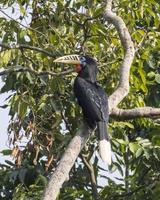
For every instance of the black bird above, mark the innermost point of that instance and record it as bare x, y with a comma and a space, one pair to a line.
92, 99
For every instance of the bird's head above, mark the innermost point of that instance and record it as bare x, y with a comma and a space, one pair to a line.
85, 66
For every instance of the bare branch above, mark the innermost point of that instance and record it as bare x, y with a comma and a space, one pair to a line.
25, 69
25, 46
61, 173
147, 112
123, 87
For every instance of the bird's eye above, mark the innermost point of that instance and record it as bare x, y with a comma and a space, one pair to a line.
83, 60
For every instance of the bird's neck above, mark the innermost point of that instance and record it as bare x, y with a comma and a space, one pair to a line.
89, 76
88, 79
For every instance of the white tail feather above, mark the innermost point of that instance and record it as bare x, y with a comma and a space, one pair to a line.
105, 151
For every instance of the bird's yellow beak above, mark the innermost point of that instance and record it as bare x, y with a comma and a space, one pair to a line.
69, 59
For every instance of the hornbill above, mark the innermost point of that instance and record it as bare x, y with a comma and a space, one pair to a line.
92, 99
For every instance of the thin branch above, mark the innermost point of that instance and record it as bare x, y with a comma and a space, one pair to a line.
90, 168
143, 175
25, 69
147, 112
25, 46
141, 42
128, 194
61, 173
126, 158
123, 87
29, 59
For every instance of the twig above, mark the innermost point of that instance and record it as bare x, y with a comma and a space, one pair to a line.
126, 158
141, 42
90, 168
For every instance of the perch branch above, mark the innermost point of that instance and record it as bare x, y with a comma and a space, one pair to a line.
147, 112
61, 173
123, 87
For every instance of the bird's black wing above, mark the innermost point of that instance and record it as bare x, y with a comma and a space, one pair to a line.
92, 99
94, 103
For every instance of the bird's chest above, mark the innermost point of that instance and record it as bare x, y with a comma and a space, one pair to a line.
92, 98
84, 88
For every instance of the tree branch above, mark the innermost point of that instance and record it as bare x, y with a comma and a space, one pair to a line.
123, 87
147, 112
25, 46
25, 69
61, 173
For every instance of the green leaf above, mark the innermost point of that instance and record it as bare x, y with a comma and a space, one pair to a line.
4, 106
22, 108
10, 163
22, 10
41, 180
119, 167
6, 152
133, 147
156, 153
122, 141
124, 124
150, 11
147, 154
5, 56
139, 152
151, 75
22, 174
157, 78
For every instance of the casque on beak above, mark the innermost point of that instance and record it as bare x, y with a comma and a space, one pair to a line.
69, 59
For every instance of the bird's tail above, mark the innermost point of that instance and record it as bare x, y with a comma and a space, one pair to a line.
104, 143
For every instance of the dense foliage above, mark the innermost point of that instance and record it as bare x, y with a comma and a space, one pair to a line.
43, 111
